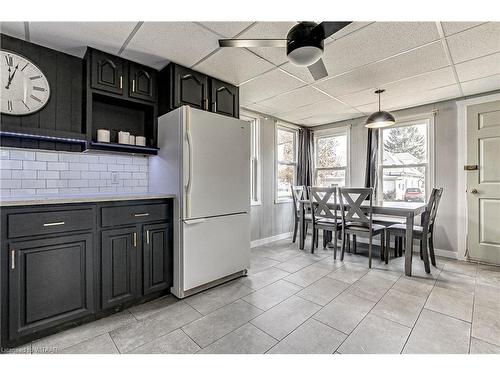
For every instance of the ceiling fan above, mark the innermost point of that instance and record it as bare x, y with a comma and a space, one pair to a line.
304, 44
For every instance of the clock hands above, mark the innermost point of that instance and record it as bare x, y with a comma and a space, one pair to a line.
11, 77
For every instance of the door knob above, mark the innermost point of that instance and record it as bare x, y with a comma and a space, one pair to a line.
474, 191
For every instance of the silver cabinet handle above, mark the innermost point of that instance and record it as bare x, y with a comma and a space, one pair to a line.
147, 236
135, 239
143, 214
121, 82
13, 260
54, 224
133, 85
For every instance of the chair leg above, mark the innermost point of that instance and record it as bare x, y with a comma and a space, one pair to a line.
317, 238
334, 234
370, 251
343, 246
425, 256
354, 244
400, 245
387, 246
325, 238
431, 251
348, 243
295, 230
313, 239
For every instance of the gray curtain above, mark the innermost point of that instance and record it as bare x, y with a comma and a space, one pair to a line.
304, 167
371, 159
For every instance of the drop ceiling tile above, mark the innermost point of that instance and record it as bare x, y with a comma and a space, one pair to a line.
479, 41
376, 41
321, 112
74, 37
227, 29
346, 31
268, 85
478, 68
269, 30
233, 65
298, 71
481, 85
327, 118
418, 61
404, 88
451, 28
15, 29
258, 108
182, 42
294, 99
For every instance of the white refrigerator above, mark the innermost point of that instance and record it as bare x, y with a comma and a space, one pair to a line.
204, 160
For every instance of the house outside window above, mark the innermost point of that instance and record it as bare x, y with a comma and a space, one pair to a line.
286, 140
331, 157
405, 161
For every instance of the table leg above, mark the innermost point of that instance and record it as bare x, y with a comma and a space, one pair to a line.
409, 245
302, 228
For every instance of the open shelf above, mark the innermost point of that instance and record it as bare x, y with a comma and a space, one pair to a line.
124, 148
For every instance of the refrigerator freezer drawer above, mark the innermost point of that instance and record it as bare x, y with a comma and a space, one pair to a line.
214, 248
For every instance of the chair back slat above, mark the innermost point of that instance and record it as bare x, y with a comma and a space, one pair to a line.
431, 209
319, 198
351, 200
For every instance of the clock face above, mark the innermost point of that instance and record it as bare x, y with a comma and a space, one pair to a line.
25, 88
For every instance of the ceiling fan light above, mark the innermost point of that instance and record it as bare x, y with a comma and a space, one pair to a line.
305, 56
380, 119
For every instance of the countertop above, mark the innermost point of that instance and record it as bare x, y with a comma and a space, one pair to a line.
41, 200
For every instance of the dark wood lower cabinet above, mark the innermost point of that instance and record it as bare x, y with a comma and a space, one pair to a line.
51, 279
50, 282
157, 257
119, 266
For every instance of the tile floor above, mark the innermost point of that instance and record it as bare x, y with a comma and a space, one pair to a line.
296, 302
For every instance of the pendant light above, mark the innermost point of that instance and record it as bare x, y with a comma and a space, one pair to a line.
379, 119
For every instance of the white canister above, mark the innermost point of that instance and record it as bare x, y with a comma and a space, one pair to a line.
123, 137
140, 140
103, 135
131, 139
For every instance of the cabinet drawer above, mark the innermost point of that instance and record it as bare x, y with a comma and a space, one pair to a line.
47, 222
122, 215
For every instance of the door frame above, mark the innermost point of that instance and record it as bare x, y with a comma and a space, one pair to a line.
462, 218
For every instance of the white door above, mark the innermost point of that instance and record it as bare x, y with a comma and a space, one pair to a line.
217, 165
214, 248
483, 184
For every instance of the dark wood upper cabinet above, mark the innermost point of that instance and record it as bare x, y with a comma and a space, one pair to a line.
50, 282
107, 72
142, 82
224, 98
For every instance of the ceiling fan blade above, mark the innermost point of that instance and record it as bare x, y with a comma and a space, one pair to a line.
318, 70
330, 28
249, 43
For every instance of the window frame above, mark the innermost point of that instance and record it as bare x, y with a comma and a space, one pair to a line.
295, 131
255, 158
332, 132
429, 165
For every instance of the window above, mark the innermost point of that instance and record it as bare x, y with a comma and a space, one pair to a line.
404, 163
286, 162
331, 158
254, 159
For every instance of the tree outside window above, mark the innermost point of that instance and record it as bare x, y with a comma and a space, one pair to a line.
330, 160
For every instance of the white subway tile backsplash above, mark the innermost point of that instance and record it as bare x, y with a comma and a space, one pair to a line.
32, 172
36, 165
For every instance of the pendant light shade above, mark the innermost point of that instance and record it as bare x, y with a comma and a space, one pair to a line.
379, 119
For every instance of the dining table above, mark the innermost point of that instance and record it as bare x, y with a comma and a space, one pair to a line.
406, 210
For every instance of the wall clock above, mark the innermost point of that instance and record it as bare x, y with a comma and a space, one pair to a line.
25, 89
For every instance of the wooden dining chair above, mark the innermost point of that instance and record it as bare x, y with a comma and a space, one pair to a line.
298, 194
357, 218
423, 232
323, 217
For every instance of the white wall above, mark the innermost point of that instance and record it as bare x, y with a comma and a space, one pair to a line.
269, 218
31, 172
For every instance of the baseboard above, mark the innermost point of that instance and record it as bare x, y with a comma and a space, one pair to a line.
263, 241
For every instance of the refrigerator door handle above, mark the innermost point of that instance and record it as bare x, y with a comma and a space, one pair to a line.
194, 221
190, 169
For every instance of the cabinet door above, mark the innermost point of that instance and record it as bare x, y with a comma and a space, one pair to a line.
157, 257
107, 72
224, 98
142, 82
119, 259
50, 282
190, 88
